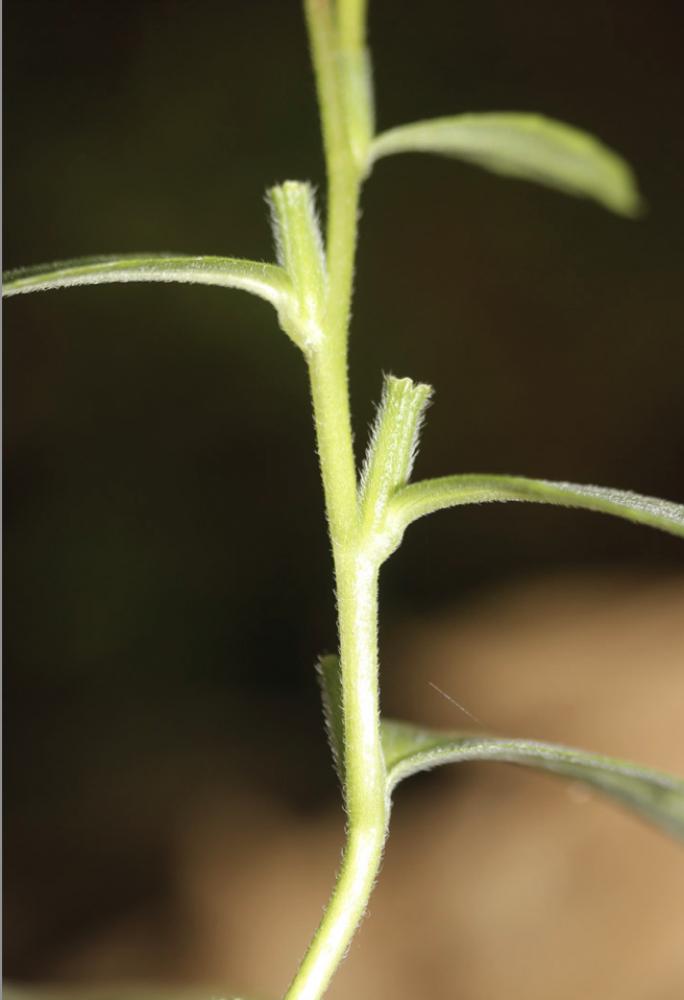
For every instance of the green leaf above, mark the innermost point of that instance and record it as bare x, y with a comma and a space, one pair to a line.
330, 678
418, 499
268, 281
265, 280
391, 452
523, 145
301, 254
656, 796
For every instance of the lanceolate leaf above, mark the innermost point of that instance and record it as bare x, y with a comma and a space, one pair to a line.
421, 498
656, 796
328, 668
523, 145
393, 445
265, 280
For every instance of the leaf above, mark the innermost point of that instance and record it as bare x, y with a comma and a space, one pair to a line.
265, 280
656, 796
328, 668
418, 499
301, 254
523, 145
391, 451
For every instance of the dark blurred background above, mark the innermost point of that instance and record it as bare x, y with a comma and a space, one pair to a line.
166, 564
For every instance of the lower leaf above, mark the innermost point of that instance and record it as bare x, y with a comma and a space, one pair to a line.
654, 795
328, 668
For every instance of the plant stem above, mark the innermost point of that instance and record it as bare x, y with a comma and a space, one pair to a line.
365, 783
352, 23
328, 368
355, 565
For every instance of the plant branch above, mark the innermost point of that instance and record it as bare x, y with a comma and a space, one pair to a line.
355, 563
366, 798
328, 368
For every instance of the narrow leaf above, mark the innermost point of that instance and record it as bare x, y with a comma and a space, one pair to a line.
328, 668
391, 452
265, 280
300, 252
421, 498
656, 796
523, 145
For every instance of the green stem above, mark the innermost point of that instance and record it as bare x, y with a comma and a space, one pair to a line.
351, 19
365, 782
328, 368
355, 564
330, 398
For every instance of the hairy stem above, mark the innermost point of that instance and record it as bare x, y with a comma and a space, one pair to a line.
328, 369
355, 565
365, 782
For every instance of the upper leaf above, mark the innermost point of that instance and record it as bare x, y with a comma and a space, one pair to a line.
523, 145
418, 499
658, 797
265, 280
268, 281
